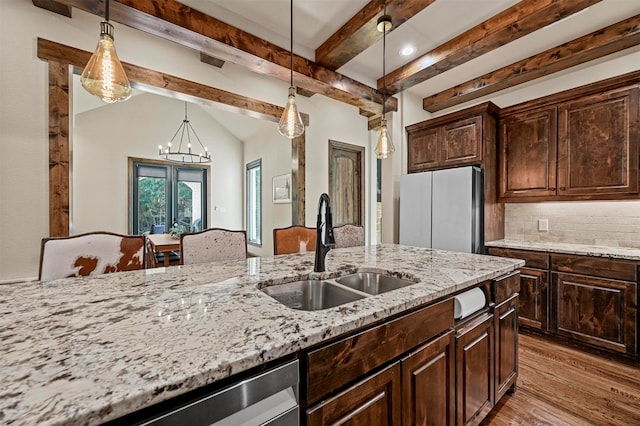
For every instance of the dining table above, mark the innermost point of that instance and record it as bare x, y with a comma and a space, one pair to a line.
165, 244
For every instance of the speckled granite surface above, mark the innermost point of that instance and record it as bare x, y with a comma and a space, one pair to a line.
87, 350
581, 249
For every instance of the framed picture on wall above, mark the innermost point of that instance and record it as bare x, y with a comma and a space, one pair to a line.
282, 188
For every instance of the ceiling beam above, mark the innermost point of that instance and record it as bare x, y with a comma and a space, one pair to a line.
207, 59
360, 33
611, 39
517, 21
54, 6
164, 83
188, 27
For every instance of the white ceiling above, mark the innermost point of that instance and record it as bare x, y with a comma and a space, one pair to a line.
316, 20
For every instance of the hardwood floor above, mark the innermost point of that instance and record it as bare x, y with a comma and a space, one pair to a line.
562, 386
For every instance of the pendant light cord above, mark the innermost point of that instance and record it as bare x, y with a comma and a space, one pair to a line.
291, 39
106, 11
384, 71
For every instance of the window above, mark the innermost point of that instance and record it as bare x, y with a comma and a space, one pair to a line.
164, 196
254, 202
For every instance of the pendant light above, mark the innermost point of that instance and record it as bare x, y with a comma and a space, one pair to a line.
384, 147
291, 124
182, 153
104, 76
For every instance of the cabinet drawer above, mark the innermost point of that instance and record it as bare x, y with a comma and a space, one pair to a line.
333, 366
533, 259
506, 286
603, 267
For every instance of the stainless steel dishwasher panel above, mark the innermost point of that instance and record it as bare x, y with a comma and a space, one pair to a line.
268, 398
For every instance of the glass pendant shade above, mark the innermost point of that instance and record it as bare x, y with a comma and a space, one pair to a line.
384, 147
291, 124
104, 75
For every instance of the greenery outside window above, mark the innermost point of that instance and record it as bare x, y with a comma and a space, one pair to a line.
165, 196
254, 202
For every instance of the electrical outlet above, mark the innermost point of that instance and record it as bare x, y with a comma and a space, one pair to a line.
543, 225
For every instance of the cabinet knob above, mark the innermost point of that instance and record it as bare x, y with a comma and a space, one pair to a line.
562, 188
552, 189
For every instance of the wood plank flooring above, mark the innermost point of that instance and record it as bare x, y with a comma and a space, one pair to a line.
558, 385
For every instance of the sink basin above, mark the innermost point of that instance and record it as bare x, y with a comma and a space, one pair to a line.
311, 295
373, 282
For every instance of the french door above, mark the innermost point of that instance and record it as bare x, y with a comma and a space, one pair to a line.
165, 196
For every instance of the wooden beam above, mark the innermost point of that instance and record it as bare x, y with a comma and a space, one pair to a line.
614, 38
51, 51
304, 92
374, 122
59, 172
207, 59
517, 21
53, 6
188, 27
360, 33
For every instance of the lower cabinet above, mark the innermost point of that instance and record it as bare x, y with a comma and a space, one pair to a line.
373, 401
598, 311
475, 370
506, 329
428, 383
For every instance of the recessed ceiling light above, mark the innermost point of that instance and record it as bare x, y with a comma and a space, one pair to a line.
407, 50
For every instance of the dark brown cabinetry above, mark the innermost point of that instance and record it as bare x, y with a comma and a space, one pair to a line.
506, 329
598, 144
534, 286
527, 147
578, 145
587, 300
373, 401
475, 370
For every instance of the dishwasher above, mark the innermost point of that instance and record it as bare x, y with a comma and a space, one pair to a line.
269, 398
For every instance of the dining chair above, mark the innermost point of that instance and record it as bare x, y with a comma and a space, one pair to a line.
93, 253
212, 245
294, 239
348, 235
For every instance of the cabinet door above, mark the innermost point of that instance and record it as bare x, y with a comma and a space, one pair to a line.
534, 298
373, 401
422, 149
462, 142
598, 144
506, 328
598, 311
527, 154
475, 371
428, 384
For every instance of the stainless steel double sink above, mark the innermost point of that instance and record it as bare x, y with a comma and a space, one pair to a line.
313, 295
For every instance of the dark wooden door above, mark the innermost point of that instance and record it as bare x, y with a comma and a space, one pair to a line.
599, 311
534, 298
462, 142
428, 375
506, 328
475, 371
422, 147
598, 144
371, 402
346, 175
527, 154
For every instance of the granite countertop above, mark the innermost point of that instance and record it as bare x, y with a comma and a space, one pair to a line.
626, 253
87, 350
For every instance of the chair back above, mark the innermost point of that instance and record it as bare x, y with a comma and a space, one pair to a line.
348, 235
92, 253
294, 239
212, 245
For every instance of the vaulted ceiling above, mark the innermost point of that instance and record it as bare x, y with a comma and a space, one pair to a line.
464, 48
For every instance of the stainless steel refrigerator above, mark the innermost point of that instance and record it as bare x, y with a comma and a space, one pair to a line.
443, 209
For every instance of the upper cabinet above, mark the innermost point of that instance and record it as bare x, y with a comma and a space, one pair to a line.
584, 146
458, 139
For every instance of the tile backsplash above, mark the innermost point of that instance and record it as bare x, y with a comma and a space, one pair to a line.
604, 223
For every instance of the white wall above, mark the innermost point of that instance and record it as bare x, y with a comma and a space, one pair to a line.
103, 140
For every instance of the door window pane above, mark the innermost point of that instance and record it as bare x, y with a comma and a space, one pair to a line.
254, 202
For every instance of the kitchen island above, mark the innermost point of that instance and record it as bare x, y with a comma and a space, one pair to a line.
88, 350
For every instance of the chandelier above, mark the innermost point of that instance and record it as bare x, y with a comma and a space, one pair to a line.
182, 152
384, 147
